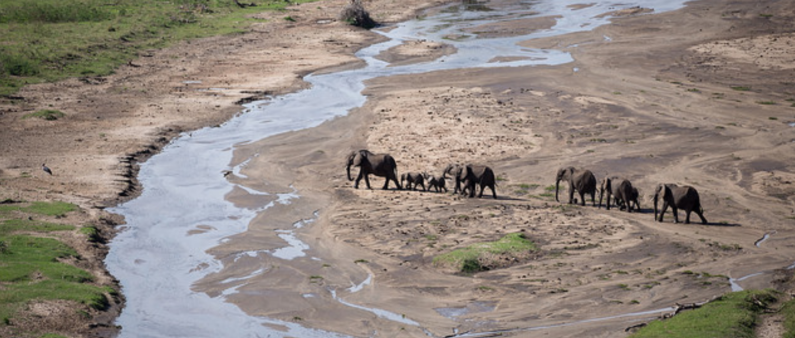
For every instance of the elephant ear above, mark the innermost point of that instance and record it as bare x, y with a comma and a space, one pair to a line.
463, 172
357, 160
667, 193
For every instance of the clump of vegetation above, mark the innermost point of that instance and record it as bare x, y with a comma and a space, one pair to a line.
789, 319
355, 14
33, 268
488, 255
732, 316
46, 114
41, 208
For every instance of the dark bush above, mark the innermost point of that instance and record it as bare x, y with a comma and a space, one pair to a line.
355, 14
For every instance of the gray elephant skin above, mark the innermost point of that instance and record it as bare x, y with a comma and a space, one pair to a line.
621, 189
580, 180
414, 180
633, 199
436, 183
678, 197
470, 176
382, 165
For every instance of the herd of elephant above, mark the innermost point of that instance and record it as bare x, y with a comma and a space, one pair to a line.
469, 177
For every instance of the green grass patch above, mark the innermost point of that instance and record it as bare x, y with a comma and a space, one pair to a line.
769, 103
788, 310
477, 257
49, 40
734, 315
741, 88
30, 270
17, 225
42, 208
92, 233
46, 114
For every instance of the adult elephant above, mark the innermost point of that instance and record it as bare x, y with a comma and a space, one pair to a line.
454, 170
583, 181
377, 164
471, 176
621, 189
678, 197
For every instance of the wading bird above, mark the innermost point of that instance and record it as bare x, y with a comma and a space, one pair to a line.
46, 169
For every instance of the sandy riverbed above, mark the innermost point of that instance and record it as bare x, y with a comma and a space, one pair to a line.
699, 96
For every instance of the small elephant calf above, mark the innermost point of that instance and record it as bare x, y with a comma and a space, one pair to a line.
436, 183
414, 180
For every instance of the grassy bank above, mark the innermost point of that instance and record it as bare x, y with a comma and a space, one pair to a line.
48, 40
734, 315
488, 255
35, 268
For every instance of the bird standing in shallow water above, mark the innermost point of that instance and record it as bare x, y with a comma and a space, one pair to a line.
46, 169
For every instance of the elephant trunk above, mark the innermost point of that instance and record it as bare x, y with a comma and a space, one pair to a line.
348, 170
601, 193
557, 186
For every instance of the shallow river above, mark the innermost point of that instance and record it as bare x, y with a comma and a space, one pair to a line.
156, 258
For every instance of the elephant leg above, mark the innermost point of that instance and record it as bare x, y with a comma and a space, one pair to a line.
700, 215
482, 189
582, 198
608, 201
386, 183
358, 178
687, 216
675, 211
662, 211
593, 198
571, 195
493, 192
367, 180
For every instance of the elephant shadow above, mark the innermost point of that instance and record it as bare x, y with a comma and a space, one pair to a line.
722, 224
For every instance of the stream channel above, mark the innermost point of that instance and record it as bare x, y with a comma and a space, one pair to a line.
155, 257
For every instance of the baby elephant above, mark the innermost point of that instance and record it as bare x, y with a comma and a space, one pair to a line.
435, 182
414, 180
678, 197
633, 199
621, 189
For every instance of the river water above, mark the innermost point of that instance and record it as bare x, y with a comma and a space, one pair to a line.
156, 255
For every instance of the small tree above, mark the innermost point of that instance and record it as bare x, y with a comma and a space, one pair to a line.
355, 14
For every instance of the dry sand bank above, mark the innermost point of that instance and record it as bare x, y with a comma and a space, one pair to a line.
647, 104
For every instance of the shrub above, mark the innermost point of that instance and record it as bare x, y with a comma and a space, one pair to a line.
47, 114
355, 14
